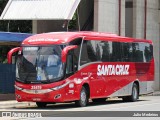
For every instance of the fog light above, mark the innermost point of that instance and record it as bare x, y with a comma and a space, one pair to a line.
57, 96
18, 96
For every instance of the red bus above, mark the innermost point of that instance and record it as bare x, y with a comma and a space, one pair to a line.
78, 66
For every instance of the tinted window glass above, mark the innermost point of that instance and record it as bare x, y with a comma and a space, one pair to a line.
76, 52
88, 53
92, 47
116, 52
138, 52
127, 52
148, 52
69, 67
105, 50
98, 50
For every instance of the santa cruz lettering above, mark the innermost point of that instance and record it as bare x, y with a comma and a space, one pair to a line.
112, 70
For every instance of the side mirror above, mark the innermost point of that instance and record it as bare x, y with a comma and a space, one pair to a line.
65, 52
10, 53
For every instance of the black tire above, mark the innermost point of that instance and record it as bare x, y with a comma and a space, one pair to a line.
84, 98
99, 100
41, 104
134, 96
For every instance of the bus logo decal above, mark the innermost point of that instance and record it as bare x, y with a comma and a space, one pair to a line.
112, 70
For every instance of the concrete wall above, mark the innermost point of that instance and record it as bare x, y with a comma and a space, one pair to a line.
41, 26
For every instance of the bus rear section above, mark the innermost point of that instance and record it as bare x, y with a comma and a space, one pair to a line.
77, 66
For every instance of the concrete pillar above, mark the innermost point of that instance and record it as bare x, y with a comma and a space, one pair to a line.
34, 26
123, 20
106, 16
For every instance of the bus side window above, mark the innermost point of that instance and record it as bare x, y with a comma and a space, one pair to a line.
148, 52
84, 55
127, 52
88, 52
69, 65
105, 51
139, 52
116, 52
76, 53
92, 50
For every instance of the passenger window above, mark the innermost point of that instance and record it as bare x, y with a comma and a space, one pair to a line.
138, 52
105, 51
127, 52
88, 53
148, 50
76, 52
84, 55
91, 51
116, 52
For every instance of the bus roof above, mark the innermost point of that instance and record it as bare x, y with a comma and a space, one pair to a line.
66, 37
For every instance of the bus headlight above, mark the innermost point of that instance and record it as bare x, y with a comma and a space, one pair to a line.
61, 86
18, 88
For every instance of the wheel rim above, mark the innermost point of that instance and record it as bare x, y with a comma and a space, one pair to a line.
135, 93
83, 97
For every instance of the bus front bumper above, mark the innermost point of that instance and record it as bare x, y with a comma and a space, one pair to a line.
40, 95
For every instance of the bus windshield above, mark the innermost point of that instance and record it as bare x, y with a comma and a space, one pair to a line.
40, 64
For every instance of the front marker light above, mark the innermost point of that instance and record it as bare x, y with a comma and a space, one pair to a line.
61, 86
18, 88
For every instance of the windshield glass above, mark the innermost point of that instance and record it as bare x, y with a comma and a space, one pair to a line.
40, 64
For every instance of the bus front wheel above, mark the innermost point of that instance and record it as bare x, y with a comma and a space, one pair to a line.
83, 101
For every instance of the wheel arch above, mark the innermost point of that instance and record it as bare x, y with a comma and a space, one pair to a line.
87, 87
138, 85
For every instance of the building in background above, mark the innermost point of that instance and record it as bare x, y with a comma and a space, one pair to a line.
131, 18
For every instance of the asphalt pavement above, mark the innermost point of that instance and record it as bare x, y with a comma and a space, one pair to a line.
147, 104
8, 101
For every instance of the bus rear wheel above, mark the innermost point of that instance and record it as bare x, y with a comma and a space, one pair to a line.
83, 101
134, 96
41, 104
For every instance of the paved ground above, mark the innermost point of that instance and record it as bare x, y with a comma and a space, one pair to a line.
146, 103
8, 102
